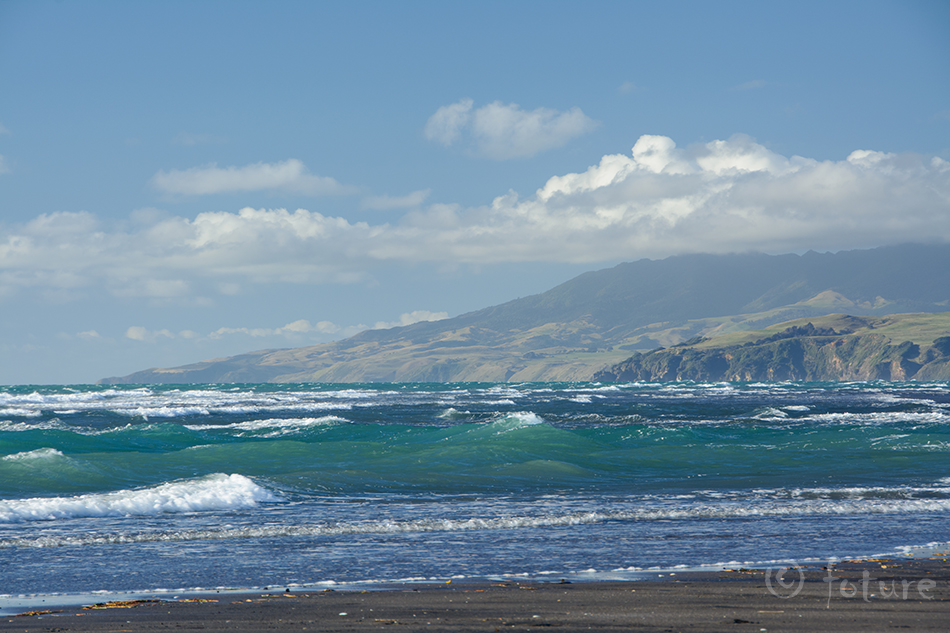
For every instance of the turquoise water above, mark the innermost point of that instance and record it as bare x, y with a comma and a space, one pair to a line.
137, 488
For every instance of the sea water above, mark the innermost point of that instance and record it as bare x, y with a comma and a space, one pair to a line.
141, 488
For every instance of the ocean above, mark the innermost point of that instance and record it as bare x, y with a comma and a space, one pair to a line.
188, 487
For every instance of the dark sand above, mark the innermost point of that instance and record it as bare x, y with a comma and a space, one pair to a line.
915, 596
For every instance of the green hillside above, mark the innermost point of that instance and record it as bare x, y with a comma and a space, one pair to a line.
835, 347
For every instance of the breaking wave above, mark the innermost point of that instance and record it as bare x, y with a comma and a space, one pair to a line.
214, 492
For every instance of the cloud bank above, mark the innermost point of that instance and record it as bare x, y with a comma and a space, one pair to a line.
502, 132
289, 175
723, 196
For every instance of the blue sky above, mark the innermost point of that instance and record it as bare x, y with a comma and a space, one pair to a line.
188, 180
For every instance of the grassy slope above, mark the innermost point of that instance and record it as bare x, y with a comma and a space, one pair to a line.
834, 347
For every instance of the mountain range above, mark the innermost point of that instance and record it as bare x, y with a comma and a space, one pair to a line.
601, 318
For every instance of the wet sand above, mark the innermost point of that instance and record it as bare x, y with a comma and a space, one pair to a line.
868, 595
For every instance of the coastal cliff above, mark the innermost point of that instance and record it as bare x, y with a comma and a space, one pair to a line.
835, 347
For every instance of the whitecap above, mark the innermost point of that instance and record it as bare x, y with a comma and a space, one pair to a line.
214, 492
271, 426
441, 524
40, 453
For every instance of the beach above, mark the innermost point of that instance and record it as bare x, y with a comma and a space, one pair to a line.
865, 595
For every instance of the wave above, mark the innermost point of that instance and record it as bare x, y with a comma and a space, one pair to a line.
40, 453
174, 403
514, 421
866, 506
214, 492
271, 427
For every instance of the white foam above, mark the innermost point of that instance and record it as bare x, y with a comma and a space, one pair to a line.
727, 510
21, 412
272, 426
214, 492
146, 403
40, 453
8, 426
516, 420
880, 418
454, 414
770, 413
164, 412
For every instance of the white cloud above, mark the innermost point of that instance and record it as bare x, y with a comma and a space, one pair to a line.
301, 326
384, 203
408, 318
446, 125
722, 196
289, 175
139, 333
89, 335
504, 131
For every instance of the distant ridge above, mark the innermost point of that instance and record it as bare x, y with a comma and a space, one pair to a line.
600, 318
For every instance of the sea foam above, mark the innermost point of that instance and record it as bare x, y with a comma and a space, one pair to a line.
271, 427
214, 492
470, 524
40, 453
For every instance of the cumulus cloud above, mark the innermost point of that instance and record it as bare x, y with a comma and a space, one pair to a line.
385, 203
504, 131
408, 318
289, 175
446, 125
657, 200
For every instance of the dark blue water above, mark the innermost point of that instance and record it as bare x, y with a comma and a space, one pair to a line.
120, 489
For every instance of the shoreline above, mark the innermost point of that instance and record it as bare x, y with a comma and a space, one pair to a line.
12, 604
850, 595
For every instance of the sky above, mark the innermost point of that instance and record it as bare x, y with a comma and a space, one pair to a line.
190, 180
